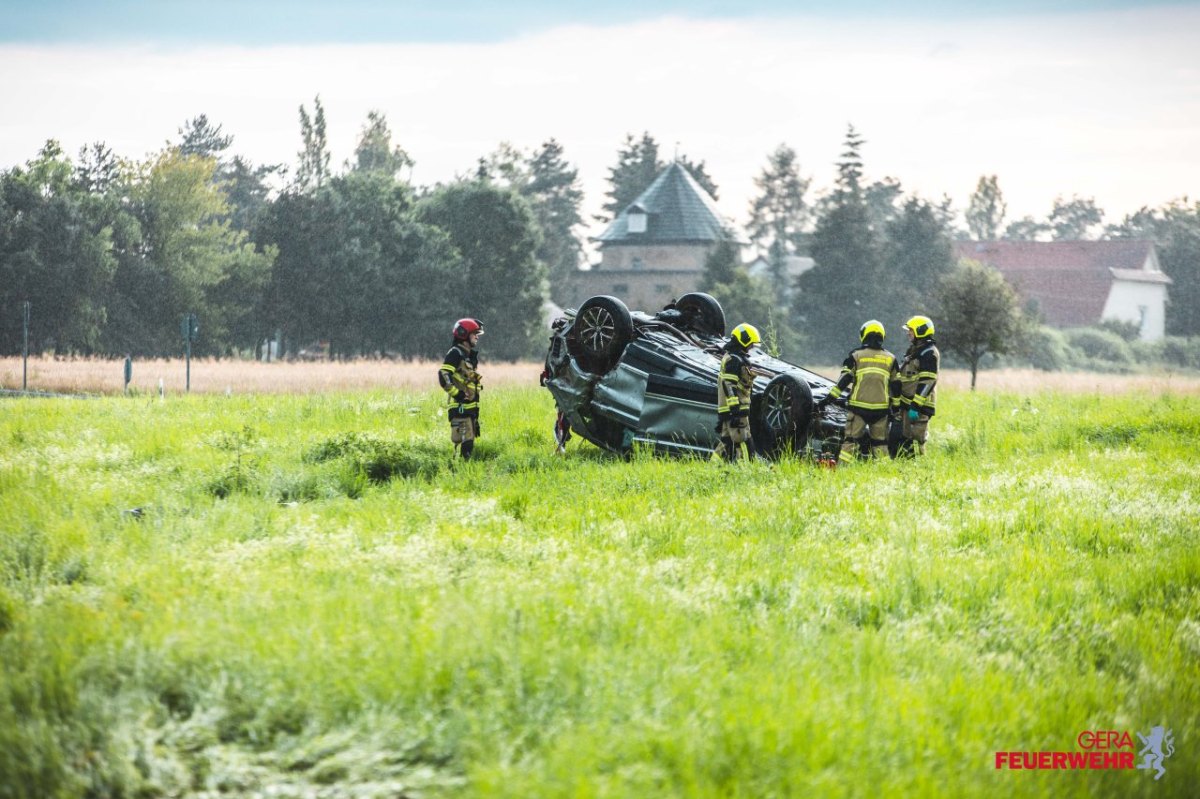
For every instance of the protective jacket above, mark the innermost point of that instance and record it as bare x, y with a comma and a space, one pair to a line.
867, 374
460, 379
918, 377
733, 386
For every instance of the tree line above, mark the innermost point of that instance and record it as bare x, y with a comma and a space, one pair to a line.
880, 252
111, 253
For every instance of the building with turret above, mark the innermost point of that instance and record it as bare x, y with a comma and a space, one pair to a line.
655, 250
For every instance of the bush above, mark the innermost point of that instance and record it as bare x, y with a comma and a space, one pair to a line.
1128, 331
1050, 351
1101, 345
381, 460
1177, 351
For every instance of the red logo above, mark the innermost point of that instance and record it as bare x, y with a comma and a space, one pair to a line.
1098, 750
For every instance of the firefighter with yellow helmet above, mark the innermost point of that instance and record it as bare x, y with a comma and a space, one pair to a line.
459, 377
734, 384
918, 385
868, 375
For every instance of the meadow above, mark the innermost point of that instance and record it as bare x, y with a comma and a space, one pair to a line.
303, 595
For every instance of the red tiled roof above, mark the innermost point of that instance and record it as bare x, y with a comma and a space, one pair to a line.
1069, 280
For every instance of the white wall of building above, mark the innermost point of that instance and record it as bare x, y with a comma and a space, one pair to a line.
1144, 303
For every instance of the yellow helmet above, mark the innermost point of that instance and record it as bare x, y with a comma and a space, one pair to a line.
746, 335
921, 326
870, 326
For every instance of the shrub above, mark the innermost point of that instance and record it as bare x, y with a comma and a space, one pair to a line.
1050, 351
380, 459
1101, 345
1177, 351
1128, 331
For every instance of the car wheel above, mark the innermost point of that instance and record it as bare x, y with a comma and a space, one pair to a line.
602, 328
705, 313
783, 416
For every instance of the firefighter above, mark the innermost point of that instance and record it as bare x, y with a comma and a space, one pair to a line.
460, 379
918, 385
733, 393
868, 374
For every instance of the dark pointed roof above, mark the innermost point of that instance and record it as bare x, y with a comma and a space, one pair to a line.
678, 210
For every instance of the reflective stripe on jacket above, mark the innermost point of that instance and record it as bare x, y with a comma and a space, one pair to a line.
460, 379
867, 373
733, 385
918, 376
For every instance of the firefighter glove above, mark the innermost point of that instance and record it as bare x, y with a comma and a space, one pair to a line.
913, 415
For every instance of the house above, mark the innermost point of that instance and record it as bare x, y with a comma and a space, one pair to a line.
1082, 283
655, 250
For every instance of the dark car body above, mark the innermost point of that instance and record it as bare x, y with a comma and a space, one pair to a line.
622, 379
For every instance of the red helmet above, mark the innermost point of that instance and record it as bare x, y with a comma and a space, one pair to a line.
463, 328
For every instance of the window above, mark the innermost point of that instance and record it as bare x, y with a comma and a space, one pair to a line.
1143, 312
637, 222
637, 263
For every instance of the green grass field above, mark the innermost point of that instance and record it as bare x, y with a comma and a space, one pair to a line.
314, 601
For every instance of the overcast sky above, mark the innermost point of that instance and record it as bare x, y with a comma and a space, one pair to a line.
1099, 99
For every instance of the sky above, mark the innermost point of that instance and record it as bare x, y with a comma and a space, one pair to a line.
1071, 98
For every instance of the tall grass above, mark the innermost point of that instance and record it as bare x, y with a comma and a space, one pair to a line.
213, 376
300, 596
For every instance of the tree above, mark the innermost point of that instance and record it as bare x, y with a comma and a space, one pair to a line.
190, 255
551, 187
499, 279
743, 297
246, 191
1072, 220
917, 253
56, 253
355, 268
374, 152
846, 285
883, 198
553, 192
1026, 229
978, 313
986, 210
779, 214
700, 175
245, 185
506, 166
313, 169
98, 169
637, 166
723, 265
201, 138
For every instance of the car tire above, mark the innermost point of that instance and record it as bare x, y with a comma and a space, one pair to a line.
782, 416
705, 313
602, 328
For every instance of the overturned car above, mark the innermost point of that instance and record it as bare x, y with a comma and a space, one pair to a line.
622, 378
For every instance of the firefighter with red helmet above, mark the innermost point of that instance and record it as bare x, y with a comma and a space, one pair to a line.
460, 379
868, 375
